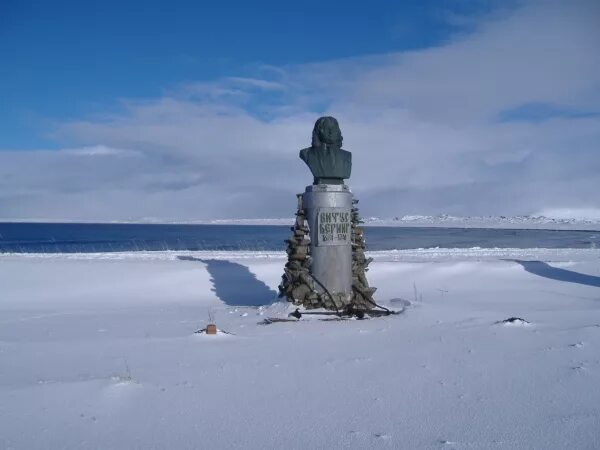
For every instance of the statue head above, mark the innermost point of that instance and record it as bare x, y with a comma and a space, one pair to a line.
327, 133
326, 160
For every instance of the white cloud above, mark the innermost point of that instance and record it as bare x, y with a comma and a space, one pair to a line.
98, 150
424, 127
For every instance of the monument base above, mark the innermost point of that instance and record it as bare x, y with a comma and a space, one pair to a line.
327, 259
328, 209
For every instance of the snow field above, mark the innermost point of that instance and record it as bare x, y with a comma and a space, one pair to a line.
100, 352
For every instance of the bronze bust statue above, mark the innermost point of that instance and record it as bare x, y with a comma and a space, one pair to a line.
325, 158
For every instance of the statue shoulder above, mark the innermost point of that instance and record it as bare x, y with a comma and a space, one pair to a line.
304, 153
347, 155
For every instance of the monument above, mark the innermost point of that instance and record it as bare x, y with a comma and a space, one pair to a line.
326, 265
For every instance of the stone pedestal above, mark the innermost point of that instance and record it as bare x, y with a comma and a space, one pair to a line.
328, 210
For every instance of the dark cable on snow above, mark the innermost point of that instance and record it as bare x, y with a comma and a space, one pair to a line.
369, 299
364, 294
337, 311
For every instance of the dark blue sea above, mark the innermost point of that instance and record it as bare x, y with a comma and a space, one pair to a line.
76, 238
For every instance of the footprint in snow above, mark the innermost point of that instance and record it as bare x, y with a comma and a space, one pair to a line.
385, 437
400, 302
357, 433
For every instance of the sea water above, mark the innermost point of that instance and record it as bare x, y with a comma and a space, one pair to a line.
85, 238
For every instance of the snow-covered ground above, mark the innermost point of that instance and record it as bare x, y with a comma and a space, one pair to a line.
447, 221
98, 351
504, 222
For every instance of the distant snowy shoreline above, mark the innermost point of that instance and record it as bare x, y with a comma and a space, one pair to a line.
501, 222
441, 221
405, 255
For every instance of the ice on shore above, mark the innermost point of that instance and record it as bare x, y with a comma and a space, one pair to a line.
547, 220
99, 351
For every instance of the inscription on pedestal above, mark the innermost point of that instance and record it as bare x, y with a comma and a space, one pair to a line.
334, 226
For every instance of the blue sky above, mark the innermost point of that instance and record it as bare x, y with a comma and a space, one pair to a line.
65, 59
194, 110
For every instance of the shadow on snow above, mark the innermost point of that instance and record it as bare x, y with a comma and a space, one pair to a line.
545, 270
234, 284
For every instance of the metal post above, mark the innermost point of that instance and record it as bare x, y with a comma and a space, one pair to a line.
329, 214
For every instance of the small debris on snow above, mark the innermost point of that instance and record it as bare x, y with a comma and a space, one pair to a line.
208, 331
514, 321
